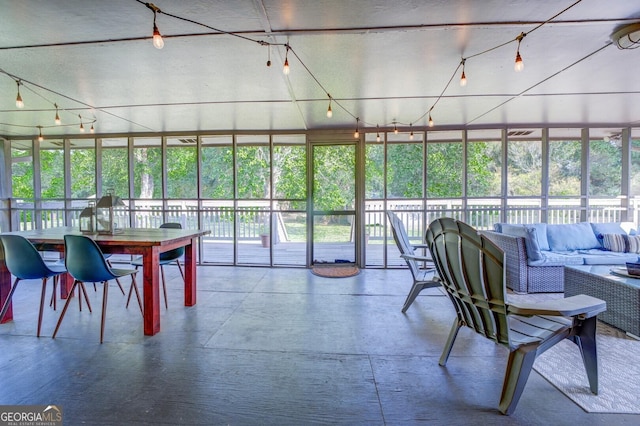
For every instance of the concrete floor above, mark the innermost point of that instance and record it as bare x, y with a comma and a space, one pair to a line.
269, 347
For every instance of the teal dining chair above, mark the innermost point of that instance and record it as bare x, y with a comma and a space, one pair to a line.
165, 258
86, 263
25, 263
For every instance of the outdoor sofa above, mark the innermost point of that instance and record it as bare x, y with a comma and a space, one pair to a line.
537, 253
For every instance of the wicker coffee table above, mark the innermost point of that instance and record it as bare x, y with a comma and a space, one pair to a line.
622, 294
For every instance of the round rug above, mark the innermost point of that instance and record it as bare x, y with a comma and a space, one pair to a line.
333, 271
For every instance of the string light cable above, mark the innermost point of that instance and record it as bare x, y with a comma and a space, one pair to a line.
291, 52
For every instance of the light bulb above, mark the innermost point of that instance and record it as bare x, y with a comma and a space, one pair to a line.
81, 127
285, 68
395, 129
57, 119
92, 130
40, 138
463, 79
411, 135
329, 111
356, 134
377, 133
519, 65
158, 43
430, 121
19, 102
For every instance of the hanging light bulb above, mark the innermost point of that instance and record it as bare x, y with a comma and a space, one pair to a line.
269, 57
40, 138
356, 134
430, 120
463, 77
285, 68
519, 65
411, 134
395, 128
329, 111
57, 119
19, 102
158, 43
81, 125
92, 130
377, 133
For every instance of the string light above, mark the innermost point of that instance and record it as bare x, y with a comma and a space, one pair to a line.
285, 68
411, 134
395, 128
356, 134
463, 77
158, 43
57, 119
377, 133
329, 111
269, 56
19, 102
81, 125
519, 65
40, 138
92, 130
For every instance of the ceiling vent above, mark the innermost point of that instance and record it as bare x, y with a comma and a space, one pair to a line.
519, 132
189, 140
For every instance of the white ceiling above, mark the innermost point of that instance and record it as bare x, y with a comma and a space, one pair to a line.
383, 61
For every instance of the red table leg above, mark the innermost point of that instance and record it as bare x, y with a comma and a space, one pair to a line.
66, 282
190, 273
151, 291
5, 288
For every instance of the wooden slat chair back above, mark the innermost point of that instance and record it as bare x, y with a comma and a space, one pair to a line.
422, 277
472, 271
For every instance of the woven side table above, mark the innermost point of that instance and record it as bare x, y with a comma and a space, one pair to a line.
621, 294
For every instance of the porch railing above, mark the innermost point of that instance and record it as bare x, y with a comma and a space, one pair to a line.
253, 221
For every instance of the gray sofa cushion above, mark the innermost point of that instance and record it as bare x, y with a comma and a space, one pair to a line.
575, 236
602, 257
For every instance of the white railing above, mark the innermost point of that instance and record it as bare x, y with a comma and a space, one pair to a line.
253, 220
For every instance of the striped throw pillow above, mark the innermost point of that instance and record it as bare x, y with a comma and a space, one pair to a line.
634, 243
614, 242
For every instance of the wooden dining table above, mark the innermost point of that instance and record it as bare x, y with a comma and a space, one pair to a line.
147, 242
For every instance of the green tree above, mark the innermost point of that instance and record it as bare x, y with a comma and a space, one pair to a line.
444, 170
404, 170
484, 164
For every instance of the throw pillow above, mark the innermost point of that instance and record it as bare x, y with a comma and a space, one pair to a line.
575, 236
541, 234
634, 243
600, 229
532, 244
614, 242
514, 230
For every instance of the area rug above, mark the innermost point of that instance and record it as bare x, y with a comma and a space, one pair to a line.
618, 373
335, 271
